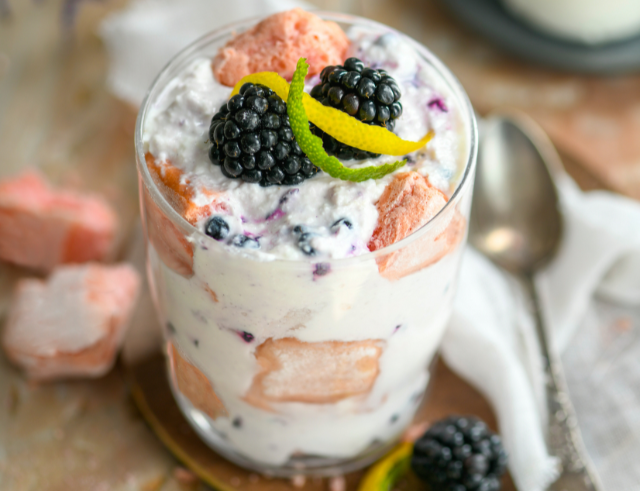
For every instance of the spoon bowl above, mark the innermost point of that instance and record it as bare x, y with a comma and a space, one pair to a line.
514, 217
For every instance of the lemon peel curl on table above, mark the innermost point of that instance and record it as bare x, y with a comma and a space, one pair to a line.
384, 474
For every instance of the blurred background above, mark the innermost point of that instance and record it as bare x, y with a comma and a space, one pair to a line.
68, 107
56, 109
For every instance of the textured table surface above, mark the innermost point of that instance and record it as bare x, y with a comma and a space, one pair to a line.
56, 114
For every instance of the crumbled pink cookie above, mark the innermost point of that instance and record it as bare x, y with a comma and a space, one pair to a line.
406, 204
174, 250
316, 373
41, 228
168, 240
195, 386
73, 324
182, 194
337, 483
276, 44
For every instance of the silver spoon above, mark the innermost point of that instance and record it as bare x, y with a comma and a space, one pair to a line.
516, 222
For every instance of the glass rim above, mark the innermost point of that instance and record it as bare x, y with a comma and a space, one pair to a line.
468, 114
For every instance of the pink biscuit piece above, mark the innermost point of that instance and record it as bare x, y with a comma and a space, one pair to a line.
170, 242
195, 386
276, 44
73, 324
41, 228
314, 373
406, 204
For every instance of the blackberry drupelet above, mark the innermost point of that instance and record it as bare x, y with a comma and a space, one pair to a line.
460, 454
371, 96
251, 139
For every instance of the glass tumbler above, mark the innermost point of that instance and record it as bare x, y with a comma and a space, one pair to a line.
302, 367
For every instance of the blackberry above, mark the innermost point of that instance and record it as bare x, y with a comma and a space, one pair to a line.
251, 139
460, 453
370, 95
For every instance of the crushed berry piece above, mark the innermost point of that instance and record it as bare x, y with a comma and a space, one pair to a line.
247, 336
277, 213
321, 269
303, 240
245, 242
289, 194
342, 221
439, 104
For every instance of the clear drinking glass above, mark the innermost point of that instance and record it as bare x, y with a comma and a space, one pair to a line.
296, 367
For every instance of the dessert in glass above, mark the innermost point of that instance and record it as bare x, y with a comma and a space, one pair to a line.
301, 311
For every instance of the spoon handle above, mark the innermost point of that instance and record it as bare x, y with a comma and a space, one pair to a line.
563, 438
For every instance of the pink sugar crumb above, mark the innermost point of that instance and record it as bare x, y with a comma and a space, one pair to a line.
337, 483
276, 44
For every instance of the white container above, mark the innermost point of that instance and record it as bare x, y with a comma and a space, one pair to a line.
585, 21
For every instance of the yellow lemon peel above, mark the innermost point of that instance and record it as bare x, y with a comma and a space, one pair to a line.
311, 145
344, 128
270, 79
348, 130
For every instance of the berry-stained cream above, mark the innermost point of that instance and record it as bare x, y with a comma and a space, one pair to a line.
289, 339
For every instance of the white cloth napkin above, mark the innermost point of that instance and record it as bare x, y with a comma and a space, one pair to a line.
143, 37
491, 340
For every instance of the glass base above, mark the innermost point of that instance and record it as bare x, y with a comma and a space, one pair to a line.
305, 465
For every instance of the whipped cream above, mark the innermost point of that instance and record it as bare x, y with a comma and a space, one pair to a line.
177, 128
